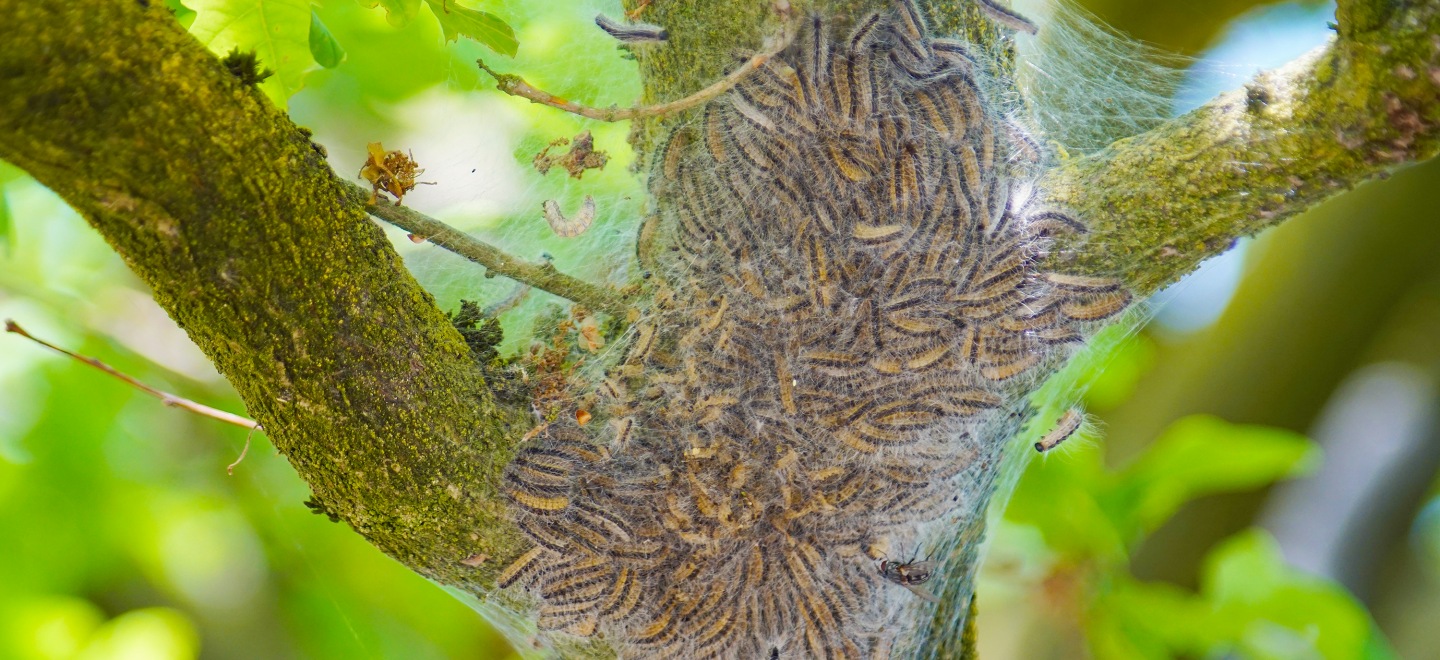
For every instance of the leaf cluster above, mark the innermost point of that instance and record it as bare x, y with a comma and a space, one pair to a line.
1074, 523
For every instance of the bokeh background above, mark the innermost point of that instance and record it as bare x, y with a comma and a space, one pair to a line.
1260, 480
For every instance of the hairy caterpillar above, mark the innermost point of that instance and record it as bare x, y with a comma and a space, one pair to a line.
846, 285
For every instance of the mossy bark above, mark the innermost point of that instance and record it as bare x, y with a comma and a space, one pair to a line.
258, 251
1356, 109
269, 262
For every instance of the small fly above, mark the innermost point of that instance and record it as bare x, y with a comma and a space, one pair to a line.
910, 575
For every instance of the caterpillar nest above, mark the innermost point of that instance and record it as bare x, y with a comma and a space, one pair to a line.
847, 288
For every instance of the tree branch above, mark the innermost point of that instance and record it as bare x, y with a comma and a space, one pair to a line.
1367, 103
272, 266
540, 276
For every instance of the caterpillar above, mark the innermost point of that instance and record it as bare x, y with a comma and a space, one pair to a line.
847, 285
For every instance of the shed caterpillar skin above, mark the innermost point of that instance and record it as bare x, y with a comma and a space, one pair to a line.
847, 290
569, 227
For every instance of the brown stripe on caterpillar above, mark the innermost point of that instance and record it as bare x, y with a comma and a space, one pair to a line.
926, 358
941, 112
1097, 307
853, 439
905, 415
1067, 426
874, 235
848, 161
1051, 223
538, 530
860, 78
641, 554
919, 327
954, 51
582, 535
711, 627
534, 500
524, 565
718, 640
1084, 283
1056, 335
773, 88
904, 182
1007, 17
537, 482
542, 468
777, 82
756, 116
644, 342
598, 516
1011, 369
586, 586
957, 401
910, 28
877, 437
972, 180
660, 629
570, 442
557, 617
822, 612
673, 154
690, 616
832, 362
1046, 317
837, 95
817, 52
1024, 148
757, 149
715, 133
624, 595
631, 33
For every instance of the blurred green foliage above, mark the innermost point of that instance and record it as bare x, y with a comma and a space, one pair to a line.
1072, 523
122, 536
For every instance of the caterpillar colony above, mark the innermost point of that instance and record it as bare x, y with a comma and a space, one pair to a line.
846, 282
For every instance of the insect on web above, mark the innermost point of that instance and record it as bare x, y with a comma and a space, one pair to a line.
846, 291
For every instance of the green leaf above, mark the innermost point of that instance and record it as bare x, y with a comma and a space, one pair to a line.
277, 30
397, 12
323, 46
1200, 455
486, 28
1275, 611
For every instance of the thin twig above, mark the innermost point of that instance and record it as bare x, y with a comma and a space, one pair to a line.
516, 86
164, 397
541, 276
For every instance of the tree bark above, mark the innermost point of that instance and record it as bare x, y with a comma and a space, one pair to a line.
272, 266
270, 263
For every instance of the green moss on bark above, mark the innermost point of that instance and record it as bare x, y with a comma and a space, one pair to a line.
252, 245
1352, 111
